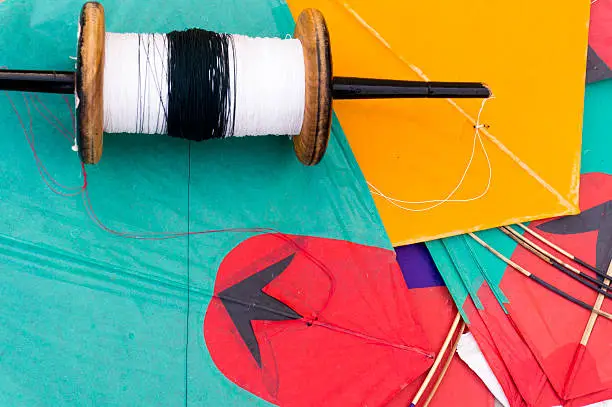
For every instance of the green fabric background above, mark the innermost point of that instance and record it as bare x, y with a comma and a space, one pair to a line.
91, 319
596, 148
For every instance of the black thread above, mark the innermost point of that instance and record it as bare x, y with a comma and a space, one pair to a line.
200, 103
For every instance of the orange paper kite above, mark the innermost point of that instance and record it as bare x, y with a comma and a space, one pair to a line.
531, 54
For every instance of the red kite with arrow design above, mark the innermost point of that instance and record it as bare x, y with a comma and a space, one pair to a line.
314, 322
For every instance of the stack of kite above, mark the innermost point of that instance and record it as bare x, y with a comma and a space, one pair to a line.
535, 297
228, 274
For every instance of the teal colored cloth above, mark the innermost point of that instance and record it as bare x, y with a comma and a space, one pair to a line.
92, 319
596, 147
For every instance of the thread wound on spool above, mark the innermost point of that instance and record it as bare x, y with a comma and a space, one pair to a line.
200, 106
270, 86
198, 84
136, 83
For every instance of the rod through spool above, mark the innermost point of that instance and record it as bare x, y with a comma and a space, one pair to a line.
201, 96
311, 30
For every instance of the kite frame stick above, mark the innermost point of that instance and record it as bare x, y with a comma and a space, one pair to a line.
451, 355
561, 250
586, 335
538, 280
556, 263
598, 303
437, 361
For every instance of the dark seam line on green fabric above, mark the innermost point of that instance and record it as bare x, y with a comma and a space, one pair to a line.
188, 272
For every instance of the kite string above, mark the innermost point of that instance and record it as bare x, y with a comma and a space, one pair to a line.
259, 230
173, 235
437, 202
55, 186
424, 77
83, 191
310, 320
53, 121
372, 339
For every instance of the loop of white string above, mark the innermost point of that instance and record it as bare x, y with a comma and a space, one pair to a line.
400, 203
477, 125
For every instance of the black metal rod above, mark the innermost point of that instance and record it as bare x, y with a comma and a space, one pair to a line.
343, 87
37, 81
363, 88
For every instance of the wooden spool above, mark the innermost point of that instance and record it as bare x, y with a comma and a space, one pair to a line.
311, 143
90, 83
311, 30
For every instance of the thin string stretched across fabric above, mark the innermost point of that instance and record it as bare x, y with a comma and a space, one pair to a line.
312, 320
48, 179
437, 202
83, 191
60, 127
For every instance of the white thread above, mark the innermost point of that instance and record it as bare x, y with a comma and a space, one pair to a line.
267, 77
437, 202
135, 83
270, 86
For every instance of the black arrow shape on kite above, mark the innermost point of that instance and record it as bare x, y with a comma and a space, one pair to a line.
246, 302
596, 218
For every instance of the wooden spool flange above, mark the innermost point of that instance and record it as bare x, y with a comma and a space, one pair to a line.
311, 143
311, 30
90, 83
